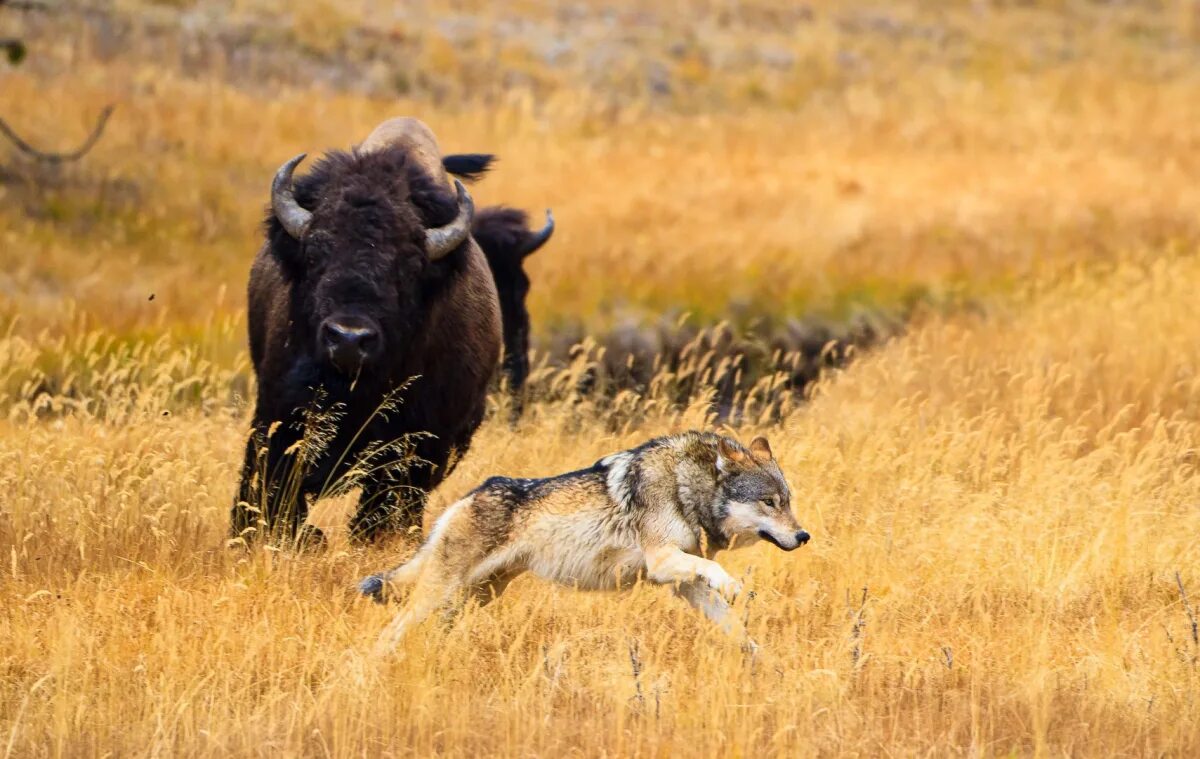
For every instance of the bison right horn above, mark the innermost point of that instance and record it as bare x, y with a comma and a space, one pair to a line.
283, 202
442, 240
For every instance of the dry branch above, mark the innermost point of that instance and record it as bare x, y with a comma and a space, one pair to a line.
72, 155
1187, 606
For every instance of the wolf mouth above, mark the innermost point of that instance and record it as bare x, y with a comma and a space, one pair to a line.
772, 539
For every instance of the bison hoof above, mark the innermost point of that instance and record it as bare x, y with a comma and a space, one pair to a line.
372, 586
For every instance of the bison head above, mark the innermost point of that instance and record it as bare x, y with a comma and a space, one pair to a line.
360, 237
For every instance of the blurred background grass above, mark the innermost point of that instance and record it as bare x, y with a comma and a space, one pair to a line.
724, 160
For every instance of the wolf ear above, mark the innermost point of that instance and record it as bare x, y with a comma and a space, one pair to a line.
729, 455
760, 449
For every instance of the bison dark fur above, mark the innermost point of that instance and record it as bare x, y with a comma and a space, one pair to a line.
506, 240
433, 324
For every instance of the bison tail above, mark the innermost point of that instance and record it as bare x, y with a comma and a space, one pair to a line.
469, 166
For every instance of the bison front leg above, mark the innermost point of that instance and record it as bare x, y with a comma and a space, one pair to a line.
387, 506
270, 499
516, 356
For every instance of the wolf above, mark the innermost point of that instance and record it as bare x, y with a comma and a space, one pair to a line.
658, 512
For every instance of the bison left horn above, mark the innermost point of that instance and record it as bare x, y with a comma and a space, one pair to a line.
442, 240
283, 202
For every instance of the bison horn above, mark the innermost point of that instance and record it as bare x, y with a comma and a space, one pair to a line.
442, 240
541, 237
283, 202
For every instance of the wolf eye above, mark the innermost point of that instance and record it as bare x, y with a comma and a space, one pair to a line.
772, 502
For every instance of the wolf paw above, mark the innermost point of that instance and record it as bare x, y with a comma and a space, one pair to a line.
372, 586
728, 587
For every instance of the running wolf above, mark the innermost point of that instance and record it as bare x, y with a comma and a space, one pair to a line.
657, 512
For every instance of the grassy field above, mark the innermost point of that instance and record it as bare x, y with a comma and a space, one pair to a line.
1004, 499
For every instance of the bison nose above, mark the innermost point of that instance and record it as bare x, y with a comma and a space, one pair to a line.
802, 537
349, 345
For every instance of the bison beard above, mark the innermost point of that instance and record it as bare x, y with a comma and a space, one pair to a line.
372, 353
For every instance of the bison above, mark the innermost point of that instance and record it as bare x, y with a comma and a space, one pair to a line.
375, 329
506, 242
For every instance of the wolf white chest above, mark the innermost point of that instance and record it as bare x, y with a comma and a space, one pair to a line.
602, 567
584, 551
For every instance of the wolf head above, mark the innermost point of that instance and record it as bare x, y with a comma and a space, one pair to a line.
753, 498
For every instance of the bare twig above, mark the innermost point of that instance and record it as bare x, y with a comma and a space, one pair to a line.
860, 624
73, 155
1187, 606
1171, 639
636, 662
949, 654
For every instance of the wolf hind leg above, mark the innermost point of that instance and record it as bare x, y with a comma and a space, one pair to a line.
407, 573
493, 586
438, 588
434, 590
481, 592
442, 570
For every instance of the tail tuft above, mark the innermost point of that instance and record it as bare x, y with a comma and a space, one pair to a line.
372, 586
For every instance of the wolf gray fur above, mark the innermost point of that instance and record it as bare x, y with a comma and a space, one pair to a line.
657, 512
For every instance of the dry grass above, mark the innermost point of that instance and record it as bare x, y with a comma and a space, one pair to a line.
1001, 499
1014, 494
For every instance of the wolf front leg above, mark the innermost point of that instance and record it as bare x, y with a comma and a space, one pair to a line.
709, 603
440, 572
703, 583
669, 564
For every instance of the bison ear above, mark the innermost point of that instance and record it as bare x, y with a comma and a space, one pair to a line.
760, 449
468, 166
730, 455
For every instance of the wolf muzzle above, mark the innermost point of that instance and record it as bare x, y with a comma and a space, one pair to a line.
801, 537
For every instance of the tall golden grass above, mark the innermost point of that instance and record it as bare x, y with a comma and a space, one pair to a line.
1001, 507
1003, 500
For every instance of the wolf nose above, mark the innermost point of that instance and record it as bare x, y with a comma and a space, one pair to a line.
802, 538
349, 345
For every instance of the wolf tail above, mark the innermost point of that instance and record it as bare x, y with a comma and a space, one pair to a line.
372, 586
376, 586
